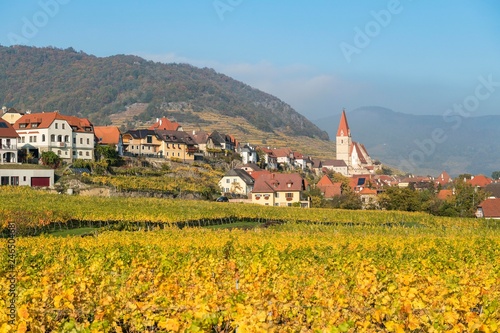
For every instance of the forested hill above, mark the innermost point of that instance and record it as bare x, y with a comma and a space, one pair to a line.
47, 79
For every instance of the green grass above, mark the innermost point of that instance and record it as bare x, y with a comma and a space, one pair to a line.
73, 232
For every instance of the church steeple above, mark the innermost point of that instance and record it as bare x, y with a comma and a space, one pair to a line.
344, 141
343, 129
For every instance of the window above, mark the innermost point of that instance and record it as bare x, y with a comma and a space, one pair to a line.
23, 139
59, 152
52, 138
43, 137
34, 138
289, 195
179, 154
74, 153
5, 180
24, 178
166, 154
179, 145
22, 125
80, 153
14, 181
31, 138
19, 140
88, 141
66, 153
74, 141
66, 138
59, 138
87, 153
56, 125
149, 139
63, 126
81, 141
228, 181
35, 125
277, 195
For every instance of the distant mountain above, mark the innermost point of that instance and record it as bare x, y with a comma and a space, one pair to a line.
425, 144
47, 79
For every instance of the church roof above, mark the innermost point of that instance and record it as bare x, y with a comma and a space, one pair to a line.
343, 129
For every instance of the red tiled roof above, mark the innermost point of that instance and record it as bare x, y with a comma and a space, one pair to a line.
45, 119
343, 129
443, 179
480, 180
368, 191
282, 152
165, 125
278, 182
491, 207
107, 135
258, 173
445, 194
6, 130
325, 181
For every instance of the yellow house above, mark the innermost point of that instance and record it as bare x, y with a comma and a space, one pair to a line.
141, 142
177, 145
279, 190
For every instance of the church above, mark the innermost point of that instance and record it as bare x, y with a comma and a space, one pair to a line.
354, 154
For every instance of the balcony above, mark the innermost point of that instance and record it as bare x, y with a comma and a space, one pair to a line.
9, 146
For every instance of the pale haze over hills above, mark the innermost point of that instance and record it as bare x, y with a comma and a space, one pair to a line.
425, 144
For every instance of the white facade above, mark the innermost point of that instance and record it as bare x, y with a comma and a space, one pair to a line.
27, 177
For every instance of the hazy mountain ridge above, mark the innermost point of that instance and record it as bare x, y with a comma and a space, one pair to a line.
425, 144
47, 79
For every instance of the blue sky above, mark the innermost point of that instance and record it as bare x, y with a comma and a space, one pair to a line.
413, 56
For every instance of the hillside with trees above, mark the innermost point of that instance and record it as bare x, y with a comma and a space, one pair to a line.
47, 79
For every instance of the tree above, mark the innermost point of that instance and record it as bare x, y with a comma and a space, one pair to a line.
404, 199
51, 159
466, 198
495, 175
108, 154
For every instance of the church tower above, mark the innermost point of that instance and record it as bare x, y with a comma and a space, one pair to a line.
344, 140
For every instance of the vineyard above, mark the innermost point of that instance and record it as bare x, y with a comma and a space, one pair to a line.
290, 278
37, 211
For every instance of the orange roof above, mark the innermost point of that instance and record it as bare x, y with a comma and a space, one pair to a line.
443, 179
258, 173
165, 125
325, 181
6, 130
445, 194
107, 135
343, 129
491, 207
479, 180
45, 119
368, 191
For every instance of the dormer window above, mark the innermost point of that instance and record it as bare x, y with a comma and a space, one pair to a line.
22, 125
34, 125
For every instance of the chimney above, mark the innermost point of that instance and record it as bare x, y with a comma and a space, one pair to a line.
4, 109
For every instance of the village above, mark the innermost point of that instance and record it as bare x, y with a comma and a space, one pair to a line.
271, 176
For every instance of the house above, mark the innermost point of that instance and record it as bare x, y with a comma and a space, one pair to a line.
11, 115
280, 190
284, 157
68, 136
479, 181
177, 144
443, 179
110, 136
201, 138
489, 208
218, 142
163, 124
142, 142
236, 181
301, 161
270, 158
248, 154
338, 166
27, 176
328, 188
8, 142
493, 189
368, 198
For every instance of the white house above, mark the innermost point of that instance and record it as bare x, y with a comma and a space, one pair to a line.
236, 181
27, 176
68, 136
8, 143
248, 154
